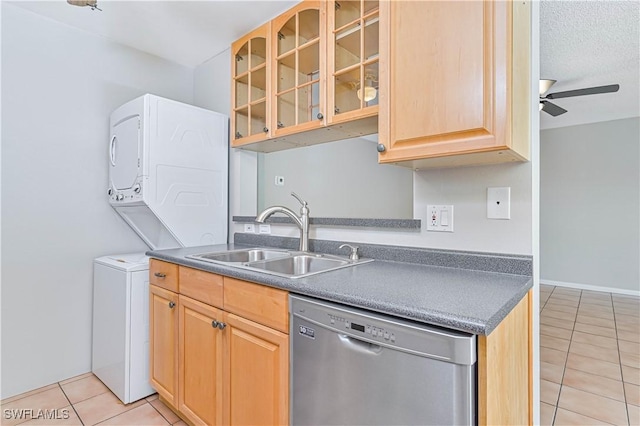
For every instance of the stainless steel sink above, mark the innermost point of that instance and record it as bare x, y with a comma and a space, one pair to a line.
241, 256
284, 263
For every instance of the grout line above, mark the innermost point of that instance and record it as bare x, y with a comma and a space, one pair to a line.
73, 407
583, 415
161, 415
624, 389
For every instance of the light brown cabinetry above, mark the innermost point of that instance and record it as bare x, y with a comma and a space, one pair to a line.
454, 82
219, 349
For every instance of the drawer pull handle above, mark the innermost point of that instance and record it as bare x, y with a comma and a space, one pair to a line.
160, 275
218, 324
172, 305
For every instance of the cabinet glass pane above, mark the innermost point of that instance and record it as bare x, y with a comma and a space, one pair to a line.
346, 96
370, 96
371, 38
369, 6
308, 62
286, 109
242, 123
286, 72
346, 11
308, 102
348, 47
258, 84
287, 36
258, 51
242, 90
258, 118
309, 26
242, 59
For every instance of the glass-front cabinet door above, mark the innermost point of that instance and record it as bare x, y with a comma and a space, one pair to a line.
251, 103
353, 57
298, 46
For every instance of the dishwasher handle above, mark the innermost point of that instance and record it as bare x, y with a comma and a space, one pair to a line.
359, 345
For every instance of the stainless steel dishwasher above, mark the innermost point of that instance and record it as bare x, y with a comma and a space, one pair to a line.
354, 367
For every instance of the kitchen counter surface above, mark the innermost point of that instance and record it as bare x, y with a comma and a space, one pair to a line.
461, 299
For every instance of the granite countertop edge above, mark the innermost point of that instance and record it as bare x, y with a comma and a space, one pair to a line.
442, 318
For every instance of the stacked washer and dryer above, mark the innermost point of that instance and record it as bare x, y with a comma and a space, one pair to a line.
168, 168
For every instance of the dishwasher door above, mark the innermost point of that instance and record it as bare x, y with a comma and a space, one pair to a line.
353, 367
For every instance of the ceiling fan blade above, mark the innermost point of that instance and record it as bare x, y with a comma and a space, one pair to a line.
552, 109
581, 92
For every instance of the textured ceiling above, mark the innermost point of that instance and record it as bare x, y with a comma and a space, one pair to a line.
582, 43
586, 44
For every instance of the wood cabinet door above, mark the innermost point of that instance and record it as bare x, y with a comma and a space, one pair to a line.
250, 87
298, 64
163, 342
257, 374
200, 390
445, 78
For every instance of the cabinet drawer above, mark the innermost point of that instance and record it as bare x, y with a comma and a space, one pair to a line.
264, 305
202, 286
163, 274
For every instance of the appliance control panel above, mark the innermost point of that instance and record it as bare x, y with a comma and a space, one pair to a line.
134, 193
368, 330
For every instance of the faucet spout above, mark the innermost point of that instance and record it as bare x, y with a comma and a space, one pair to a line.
301, 221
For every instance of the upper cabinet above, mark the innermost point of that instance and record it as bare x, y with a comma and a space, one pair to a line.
353, 59
251, 103
298, 42
454, 82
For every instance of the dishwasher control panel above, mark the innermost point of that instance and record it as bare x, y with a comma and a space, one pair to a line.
367, 330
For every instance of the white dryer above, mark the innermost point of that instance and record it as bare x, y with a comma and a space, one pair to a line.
168, 167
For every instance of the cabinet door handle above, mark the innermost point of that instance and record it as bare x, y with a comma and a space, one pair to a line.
160, 275
214, 324
172, 305
265, 129
221, 325
381, 148
320, 116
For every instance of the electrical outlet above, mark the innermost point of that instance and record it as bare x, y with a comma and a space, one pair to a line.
499, 203
264, 229
440, 218
279, 181
250, 228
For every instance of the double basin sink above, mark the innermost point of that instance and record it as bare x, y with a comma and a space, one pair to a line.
284, 263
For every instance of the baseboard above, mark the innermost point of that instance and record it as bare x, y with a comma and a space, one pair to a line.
591, 287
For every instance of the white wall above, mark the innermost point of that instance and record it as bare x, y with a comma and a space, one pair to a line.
59, 85
590, 205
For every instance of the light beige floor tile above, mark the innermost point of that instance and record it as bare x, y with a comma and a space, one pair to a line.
551, 372
102, 407
566, 417
73, 379
152, 397
596, 302
567, 290
64, 417
549, 392
143, 415
627, 319
630, 347
26, 394
82, 389
630, 359
600, 322
633, 312
553, 322
553, 356
629, 336
595, 313
632, 393
561, 308
596, 296
634, 306
165, 411
554, 343
626, 297
592, 339
565, 316
633, 328
631, 375
595, 384
594, 406
634, 414
561, 333
604, 354
547, 411
547, 287
594, 366
180, 423
594, 329
565, 299
51, 399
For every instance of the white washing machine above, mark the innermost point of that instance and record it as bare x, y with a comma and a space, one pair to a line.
121, 325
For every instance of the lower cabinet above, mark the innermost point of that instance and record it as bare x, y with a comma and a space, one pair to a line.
214, 366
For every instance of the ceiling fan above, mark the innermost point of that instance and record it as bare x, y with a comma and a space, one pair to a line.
555, 110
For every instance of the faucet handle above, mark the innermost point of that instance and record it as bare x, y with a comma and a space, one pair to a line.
300, 200
354, 251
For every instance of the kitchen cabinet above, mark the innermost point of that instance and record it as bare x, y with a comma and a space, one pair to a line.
454, 82
220, 349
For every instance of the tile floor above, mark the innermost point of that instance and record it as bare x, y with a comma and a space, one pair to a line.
589, 372
589, 357
83, 400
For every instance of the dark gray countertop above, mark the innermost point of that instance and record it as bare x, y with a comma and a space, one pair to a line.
461, 299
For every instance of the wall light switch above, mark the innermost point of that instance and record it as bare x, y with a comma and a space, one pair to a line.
440, 218
264, 229
249, 227
499, 203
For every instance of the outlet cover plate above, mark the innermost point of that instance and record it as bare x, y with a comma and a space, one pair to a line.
440, 218
499, 203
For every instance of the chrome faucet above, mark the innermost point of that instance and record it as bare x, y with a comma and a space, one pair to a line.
302, 221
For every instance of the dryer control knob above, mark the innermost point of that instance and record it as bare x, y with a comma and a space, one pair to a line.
137, 188
110, 192
119, 197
